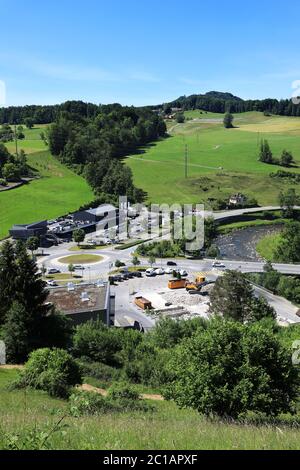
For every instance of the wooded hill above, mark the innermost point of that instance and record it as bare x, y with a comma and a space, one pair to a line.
218, 102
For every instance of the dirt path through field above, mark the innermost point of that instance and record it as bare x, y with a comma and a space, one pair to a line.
101, 391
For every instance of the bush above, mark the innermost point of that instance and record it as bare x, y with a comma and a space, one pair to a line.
99, 371
122, 390
230, 369
51, 370
125, 398
122, 399
88, 403
3, 182
97, 341
212, 252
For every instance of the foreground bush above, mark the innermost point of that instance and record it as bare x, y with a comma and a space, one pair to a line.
98, 342
120, 399
230, 369
102, 372
123, 391
51, 370
88, 403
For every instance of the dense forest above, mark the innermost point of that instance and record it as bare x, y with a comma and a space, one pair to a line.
41, 114
93, 145
218, 102
213, 101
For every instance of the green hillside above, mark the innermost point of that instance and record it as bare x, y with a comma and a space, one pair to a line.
57, 191
220, 161
167, 427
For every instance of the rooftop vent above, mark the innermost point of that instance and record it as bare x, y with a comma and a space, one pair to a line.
84, 297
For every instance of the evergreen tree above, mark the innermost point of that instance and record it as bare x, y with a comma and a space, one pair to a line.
8, 273
286, 159
265, 154
16, 334
30, 292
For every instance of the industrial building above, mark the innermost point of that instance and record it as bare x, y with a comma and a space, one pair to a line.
84, 302
25, 231
105, 213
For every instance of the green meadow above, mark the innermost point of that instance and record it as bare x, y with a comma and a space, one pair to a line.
220, 161
27, 416
56, 191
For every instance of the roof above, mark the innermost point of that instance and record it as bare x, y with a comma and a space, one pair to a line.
71, 301
30, 226
101, 210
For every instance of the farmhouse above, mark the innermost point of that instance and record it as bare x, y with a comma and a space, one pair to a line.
85, 302
237, 200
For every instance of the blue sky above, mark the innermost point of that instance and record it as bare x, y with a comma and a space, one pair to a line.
147, 51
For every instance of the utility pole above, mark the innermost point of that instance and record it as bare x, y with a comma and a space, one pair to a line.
186, 161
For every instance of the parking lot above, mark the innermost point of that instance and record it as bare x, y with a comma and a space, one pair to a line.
177, 303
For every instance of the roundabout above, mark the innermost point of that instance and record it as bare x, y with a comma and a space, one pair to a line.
81, 259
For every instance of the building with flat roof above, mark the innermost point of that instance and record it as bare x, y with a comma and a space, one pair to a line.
98, 214
84, 302
25, 231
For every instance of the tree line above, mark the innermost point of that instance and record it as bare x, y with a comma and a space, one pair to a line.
12, 167
93, 146
218, 102
45, 114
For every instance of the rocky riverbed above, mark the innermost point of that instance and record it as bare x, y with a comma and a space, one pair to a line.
241, 244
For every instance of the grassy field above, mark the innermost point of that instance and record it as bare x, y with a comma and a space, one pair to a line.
220, 161
32, 142
80, 259
57, 191
267, 246
165, 428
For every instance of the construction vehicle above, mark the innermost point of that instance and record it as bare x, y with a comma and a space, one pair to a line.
197, 284
176, 283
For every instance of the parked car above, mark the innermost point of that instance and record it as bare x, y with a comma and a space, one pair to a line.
218, 264
78, 267
52, 283
169, 270
150, 272
171, 263
137, 274
183, 272
53, 271
159, 271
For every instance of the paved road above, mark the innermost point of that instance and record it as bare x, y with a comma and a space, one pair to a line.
285, 310
237, 212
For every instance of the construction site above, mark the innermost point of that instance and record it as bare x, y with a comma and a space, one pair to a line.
162, 296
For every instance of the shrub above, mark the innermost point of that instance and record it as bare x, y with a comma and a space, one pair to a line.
122, 390
99, 371
51, 370
97, 341
91, 403
230, 369
88, 403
